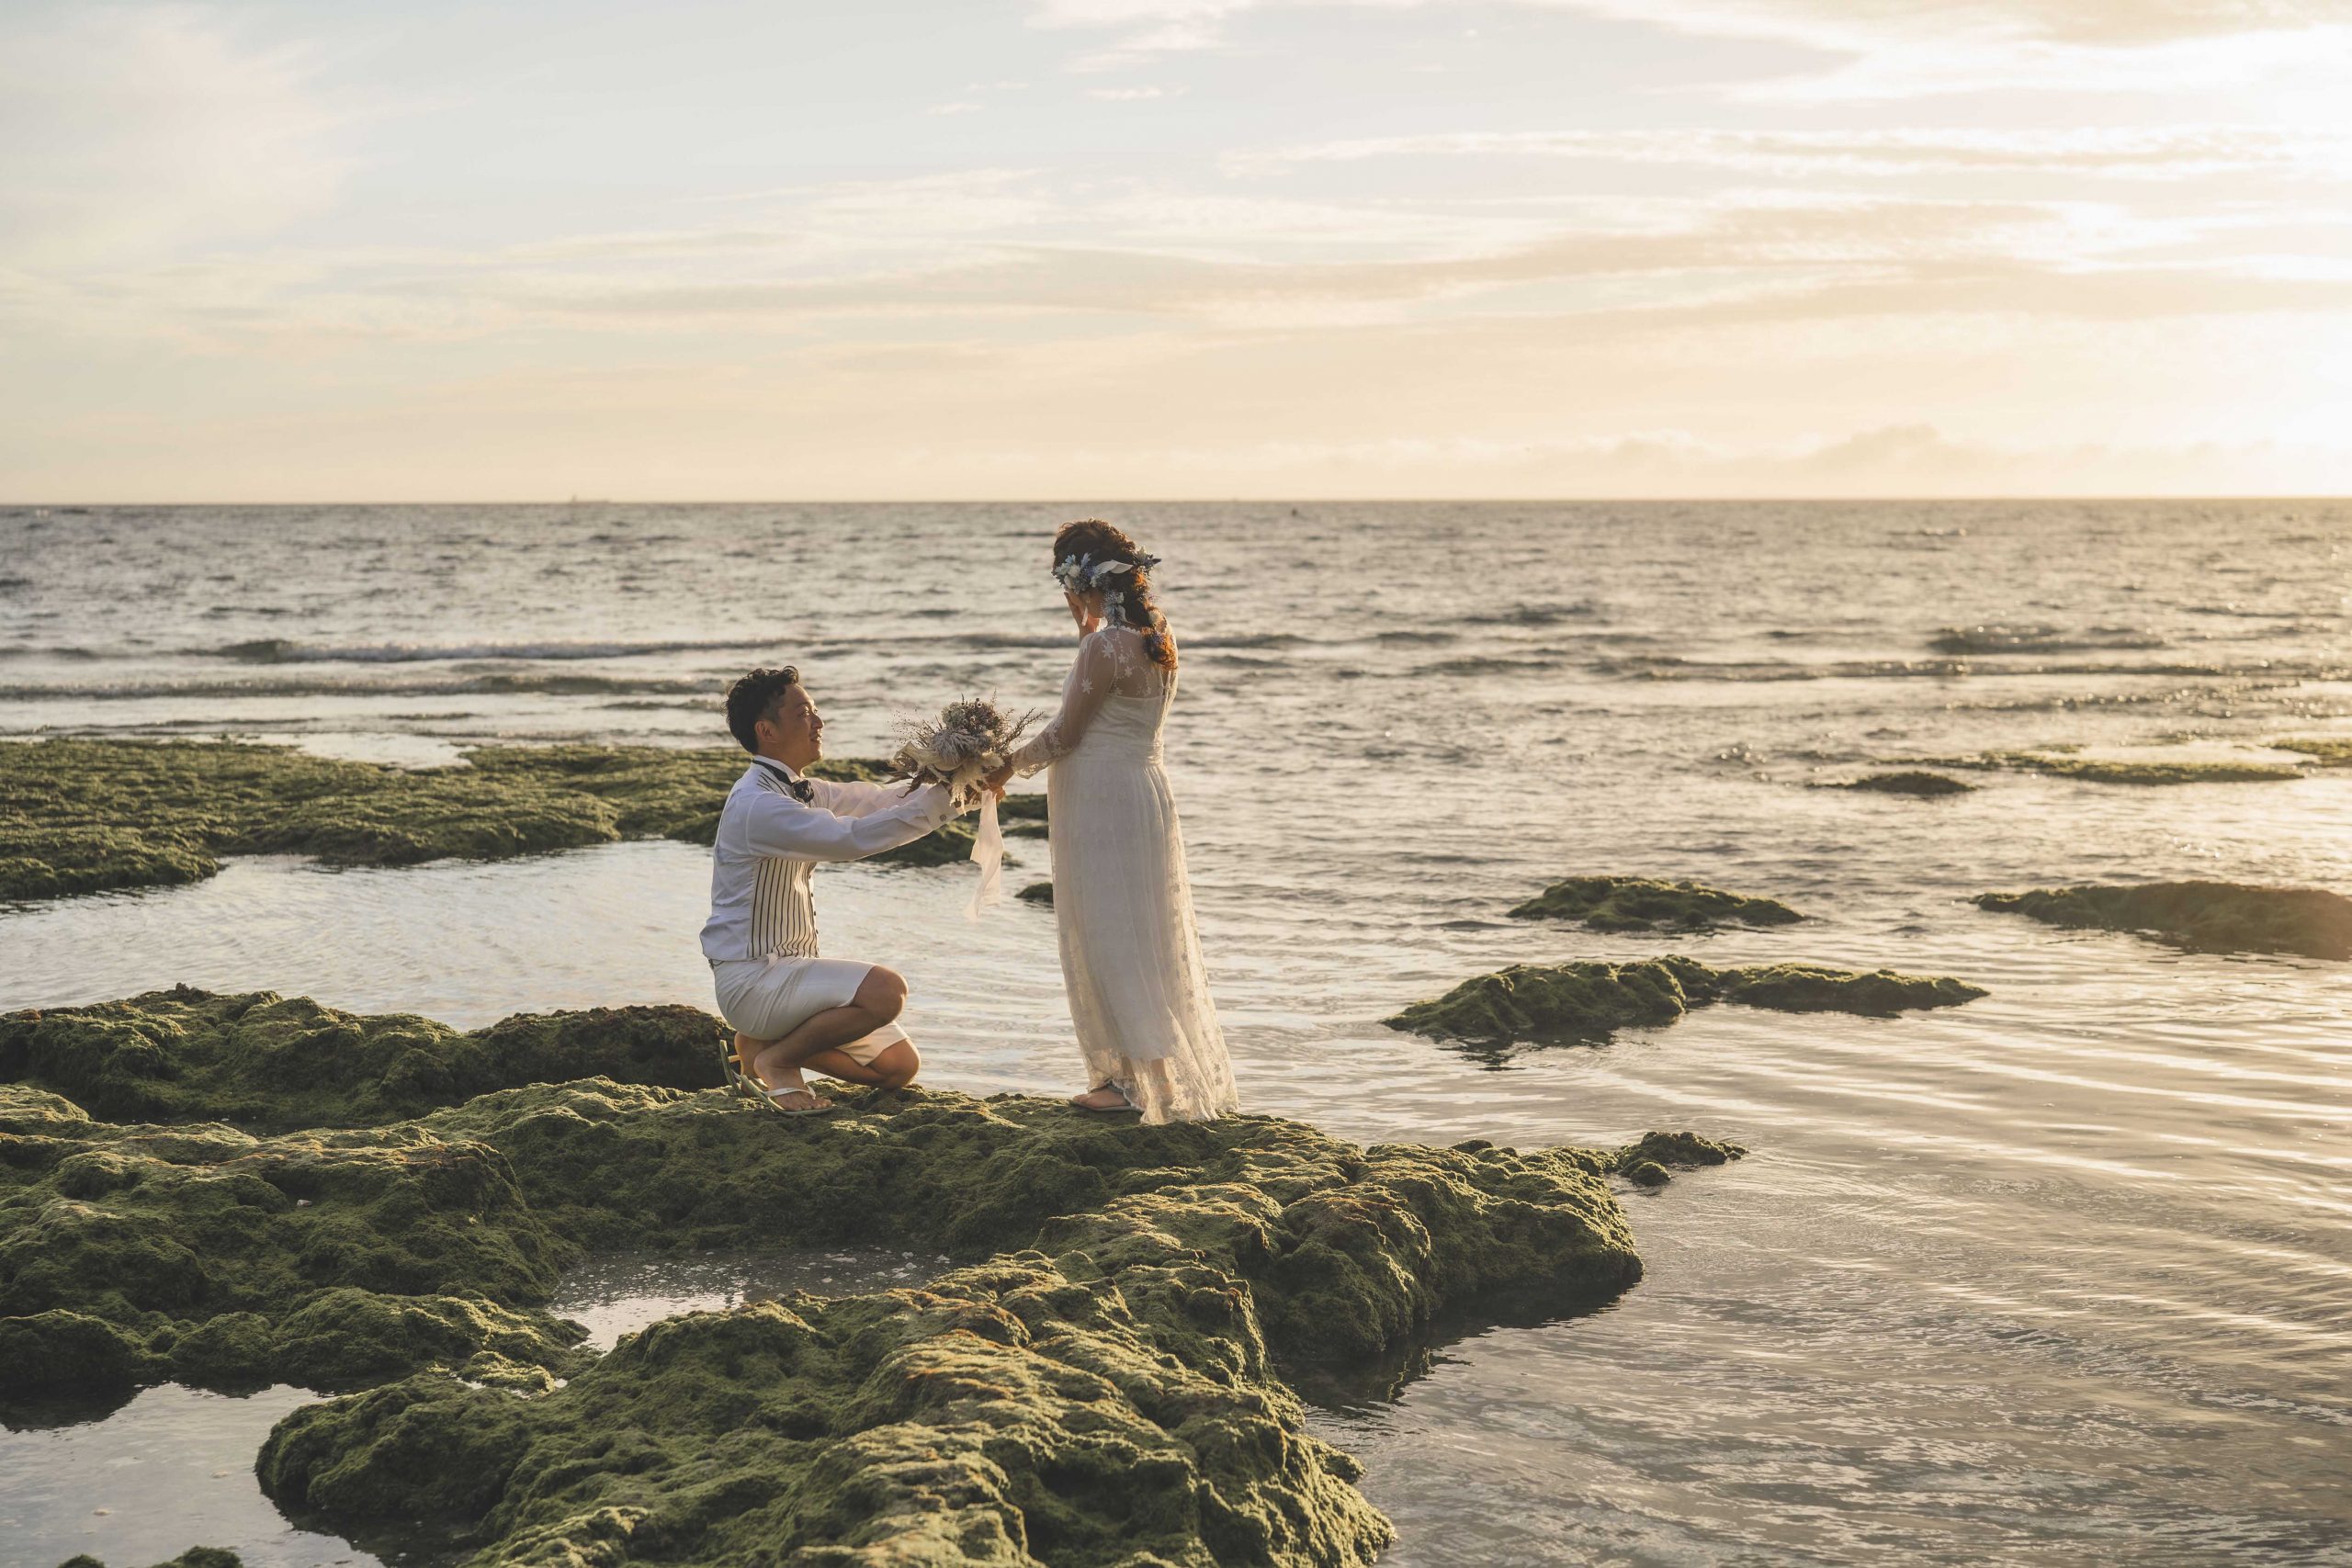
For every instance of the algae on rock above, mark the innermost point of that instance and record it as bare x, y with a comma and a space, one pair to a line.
1641, 904
1647, 1162
2327, 751
2202, 917
79, 816
2148, 772
1912, 782
1104, 1389
1024, 815
1587, 1002
1102, 1384
270, 1063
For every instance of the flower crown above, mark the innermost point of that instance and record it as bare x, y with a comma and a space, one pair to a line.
1082, 574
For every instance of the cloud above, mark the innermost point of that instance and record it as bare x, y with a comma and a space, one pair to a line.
1020, 246
1824, 23
128, 132
1861, 23
1796, 259
2135, 153
1872, 48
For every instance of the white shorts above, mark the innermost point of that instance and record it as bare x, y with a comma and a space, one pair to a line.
767, 998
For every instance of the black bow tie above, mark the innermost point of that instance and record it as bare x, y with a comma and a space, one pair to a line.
800, 789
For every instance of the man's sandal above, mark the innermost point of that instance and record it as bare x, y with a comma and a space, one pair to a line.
774, 1099
731, 1067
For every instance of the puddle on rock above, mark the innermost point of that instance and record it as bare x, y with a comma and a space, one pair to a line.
618, 1293
170, 1469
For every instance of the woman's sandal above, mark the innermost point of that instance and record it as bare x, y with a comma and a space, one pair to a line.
774, 1099
1121, 1109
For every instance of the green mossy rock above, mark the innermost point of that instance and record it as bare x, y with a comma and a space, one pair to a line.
1808, 987
194, 1557
130, 1254
1561, 1003
1586, 1003
270, 1063
2140, 772
1102, 1384
1639, 904
1038, 892
2328, 751
1652, 1161
1023, 816
87, 816
1682, 1151
1101, 1389
1912, 781
2203, 917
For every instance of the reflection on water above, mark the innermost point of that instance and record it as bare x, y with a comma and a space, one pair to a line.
171, 1470
174, 1467
614, 1295
2022, 1281
2055, 1276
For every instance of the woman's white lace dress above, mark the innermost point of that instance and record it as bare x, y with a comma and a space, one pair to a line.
1131, 955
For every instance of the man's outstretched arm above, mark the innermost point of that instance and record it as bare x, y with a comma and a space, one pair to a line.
855, 797
779, 825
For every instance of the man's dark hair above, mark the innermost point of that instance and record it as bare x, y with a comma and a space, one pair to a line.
752, 698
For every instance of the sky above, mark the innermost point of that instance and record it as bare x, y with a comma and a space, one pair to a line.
287, 251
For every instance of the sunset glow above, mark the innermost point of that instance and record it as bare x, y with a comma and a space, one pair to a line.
1174, 248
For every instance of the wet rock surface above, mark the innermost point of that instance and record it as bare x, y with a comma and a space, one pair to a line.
2146, 771
2203, 917
1641, 904
1103, 1382
2328, 751
1587, 1002
1038, 892
86, 815
1916, 783
267, 1063
1024, 815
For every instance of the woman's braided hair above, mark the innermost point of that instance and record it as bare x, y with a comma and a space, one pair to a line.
1127, 600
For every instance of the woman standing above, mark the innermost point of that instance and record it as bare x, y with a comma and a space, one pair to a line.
1131, 955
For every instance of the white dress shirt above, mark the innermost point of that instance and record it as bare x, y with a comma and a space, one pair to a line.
769, 841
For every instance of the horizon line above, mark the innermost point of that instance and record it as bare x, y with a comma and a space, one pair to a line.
1872, 498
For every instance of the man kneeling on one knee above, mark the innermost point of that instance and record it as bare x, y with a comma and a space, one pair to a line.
793, 1011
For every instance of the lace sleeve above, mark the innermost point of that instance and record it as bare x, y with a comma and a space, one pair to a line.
1090, 680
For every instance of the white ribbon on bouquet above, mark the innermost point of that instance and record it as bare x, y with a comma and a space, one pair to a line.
987, 853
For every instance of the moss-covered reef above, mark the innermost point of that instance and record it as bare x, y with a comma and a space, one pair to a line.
1585, 1003
1101, 1384
2129, 770
194, 1557
272, 1064
2327, 751
1914, 782
2203, 917
1651, 1161
1038, 892
1639, 904
85, 816
1024, 815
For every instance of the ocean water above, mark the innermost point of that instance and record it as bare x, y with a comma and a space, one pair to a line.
2059, 1276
